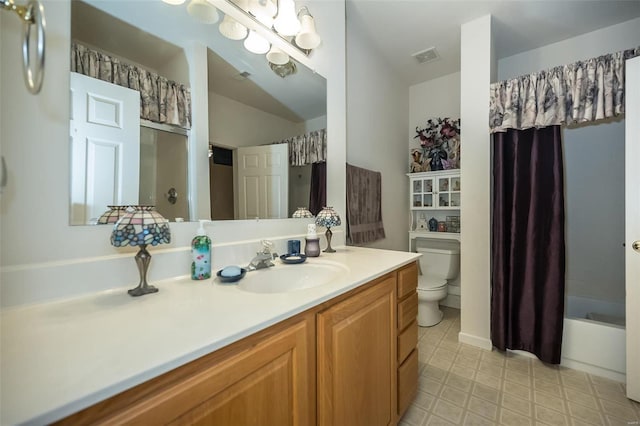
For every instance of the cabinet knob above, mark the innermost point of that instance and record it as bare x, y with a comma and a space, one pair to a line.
636, 245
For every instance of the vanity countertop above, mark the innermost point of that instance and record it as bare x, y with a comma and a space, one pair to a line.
60, 357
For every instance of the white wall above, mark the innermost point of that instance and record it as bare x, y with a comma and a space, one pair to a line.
439, 97
477, 67
377, 110
234, 124
41, 256
594, 170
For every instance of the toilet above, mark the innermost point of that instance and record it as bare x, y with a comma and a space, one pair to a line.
440, 261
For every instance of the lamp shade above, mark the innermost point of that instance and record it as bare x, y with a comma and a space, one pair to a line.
203, 11
302, 212
141, 225
255, 43
286, 22
112, 215
307, 38
232, 29
328, 218
277, 56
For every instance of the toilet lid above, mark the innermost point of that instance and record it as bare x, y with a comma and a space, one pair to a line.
426, 283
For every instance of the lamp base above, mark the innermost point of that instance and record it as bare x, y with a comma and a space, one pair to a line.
143, 258
328, 234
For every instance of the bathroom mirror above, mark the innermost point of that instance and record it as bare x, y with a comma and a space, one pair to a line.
248, 104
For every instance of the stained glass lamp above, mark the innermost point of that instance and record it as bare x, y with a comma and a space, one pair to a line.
112, 215
328, 218
141, 226
302, 212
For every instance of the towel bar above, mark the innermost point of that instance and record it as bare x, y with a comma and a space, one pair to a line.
31, 14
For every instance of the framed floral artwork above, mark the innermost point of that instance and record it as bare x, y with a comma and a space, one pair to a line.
439, 146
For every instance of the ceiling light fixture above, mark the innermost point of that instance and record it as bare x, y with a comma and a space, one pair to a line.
232, 29
307, 38
277, 56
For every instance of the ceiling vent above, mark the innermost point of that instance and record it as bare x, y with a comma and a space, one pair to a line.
427, 55
242, 76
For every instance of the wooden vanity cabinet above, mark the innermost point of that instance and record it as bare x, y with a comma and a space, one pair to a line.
407, 332
343, 362
265, 379
356, 358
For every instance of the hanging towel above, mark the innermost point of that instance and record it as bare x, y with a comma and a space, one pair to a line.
364, 206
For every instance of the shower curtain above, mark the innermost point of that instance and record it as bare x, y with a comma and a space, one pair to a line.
528, 245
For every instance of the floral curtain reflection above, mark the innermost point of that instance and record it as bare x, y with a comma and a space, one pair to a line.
161, 100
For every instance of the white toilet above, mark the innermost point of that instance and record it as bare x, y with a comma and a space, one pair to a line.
440, 261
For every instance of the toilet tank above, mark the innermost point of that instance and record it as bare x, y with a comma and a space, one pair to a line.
440, 259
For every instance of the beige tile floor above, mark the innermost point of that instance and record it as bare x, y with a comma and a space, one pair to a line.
463, 385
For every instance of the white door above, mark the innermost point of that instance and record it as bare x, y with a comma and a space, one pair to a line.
262, 180
105, 147
632, 226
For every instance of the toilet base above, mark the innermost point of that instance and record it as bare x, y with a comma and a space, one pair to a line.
429, 314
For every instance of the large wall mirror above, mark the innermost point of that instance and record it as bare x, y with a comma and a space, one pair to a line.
254, 116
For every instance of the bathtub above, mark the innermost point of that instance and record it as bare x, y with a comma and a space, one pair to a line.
594, 346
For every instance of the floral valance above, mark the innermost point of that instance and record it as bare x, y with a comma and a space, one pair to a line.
575, 93
161, 100
308, 148
439, 146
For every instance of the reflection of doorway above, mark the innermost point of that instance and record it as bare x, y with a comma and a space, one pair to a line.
261, 178
163, 166
221, 183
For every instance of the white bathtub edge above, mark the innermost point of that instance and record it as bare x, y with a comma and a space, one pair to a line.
594, 369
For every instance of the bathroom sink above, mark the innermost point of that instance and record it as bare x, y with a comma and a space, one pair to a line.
284, 278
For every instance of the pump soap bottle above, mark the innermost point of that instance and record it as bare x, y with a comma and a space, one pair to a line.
201, 254
312, 242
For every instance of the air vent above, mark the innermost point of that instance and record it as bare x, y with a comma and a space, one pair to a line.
242, 76
427, 55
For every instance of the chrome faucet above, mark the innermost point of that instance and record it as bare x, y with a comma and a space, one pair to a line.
264, 258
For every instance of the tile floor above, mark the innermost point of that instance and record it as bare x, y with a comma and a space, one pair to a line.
463, 385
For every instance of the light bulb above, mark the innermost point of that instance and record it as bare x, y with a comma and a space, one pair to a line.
203, 11
232, 29
286, 22
255, 43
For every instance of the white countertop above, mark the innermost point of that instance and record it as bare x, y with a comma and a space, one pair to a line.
58, 358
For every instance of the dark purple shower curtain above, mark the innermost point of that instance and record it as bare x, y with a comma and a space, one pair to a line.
528, 247
318, 190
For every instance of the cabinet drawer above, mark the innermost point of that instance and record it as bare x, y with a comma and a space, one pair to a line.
407, 382
407, 280
407, 311
407, 341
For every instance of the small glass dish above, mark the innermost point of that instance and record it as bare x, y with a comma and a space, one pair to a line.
293, 258
232, 279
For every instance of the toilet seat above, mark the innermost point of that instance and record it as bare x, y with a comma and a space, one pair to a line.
431, 283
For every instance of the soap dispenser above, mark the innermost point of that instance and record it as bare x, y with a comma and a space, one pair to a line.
201, 254
312, 242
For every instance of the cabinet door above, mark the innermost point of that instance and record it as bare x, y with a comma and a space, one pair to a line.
357, 358
270, 381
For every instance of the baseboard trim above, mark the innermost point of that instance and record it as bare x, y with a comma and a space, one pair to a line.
479, 342
593, 369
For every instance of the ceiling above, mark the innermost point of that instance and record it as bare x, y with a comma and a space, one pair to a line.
399, 28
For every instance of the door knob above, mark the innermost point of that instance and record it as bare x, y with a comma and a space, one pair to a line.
636, 245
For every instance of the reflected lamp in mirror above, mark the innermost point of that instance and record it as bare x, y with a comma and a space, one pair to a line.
302, 212
141, 226
328, 218
112, 215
